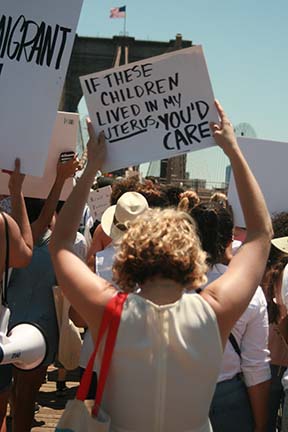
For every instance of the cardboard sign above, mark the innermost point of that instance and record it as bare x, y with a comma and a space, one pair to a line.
64, 138
99, 201
268, 162
36, 39
153, 109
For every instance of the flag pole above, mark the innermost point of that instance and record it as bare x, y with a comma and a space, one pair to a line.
125, 23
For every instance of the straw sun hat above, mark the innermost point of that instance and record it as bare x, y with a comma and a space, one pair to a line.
281, 243
114, 219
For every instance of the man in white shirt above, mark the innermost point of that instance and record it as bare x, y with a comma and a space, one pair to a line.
240, 401
252, 365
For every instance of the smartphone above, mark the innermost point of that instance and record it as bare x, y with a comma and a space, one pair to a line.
66, 156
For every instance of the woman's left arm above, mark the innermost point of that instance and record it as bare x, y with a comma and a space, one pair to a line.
87, 292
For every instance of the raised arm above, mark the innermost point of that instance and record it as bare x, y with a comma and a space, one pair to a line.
64, 171
229, 295
20, 236
86, 292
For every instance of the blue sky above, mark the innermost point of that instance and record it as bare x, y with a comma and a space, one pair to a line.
245, 45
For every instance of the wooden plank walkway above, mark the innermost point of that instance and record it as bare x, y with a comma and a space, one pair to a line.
51, 405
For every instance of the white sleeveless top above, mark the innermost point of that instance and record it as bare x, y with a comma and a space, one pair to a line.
165, 366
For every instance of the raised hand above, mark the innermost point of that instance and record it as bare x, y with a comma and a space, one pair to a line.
96, 147
67, 169
223, 132
16, 179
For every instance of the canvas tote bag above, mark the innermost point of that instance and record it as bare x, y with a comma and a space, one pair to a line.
86, 416
70, 342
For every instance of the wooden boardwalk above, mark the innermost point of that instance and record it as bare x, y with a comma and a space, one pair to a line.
51, 405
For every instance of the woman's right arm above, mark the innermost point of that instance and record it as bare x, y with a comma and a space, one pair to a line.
230, 295
20, 235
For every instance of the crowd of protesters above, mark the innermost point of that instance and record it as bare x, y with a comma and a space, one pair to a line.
203, 339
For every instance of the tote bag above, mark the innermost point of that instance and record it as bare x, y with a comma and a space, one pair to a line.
86, 416
70, 342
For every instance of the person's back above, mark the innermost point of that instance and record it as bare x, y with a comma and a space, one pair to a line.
15, 235
30, 296
164, 366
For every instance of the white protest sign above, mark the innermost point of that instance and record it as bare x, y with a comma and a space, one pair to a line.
36, 39
152, 109
64, 138
268, 162
99, 201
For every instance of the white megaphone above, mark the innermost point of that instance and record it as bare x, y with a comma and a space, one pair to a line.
25, 346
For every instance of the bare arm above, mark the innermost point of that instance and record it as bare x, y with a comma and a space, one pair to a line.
76, 318
259, 396
87, 292
64, 171
99, 242
20, 236
229, 295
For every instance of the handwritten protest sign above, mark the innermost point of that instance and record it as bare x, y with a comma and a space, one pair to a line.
99, 201
36, 39
268, 162
156, 108
64, 138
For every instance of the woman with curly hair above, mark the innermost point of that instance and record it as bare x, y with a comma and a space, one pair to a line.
169, 345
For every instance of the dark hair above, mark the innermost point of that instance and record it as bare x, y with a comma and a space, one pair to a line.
215, 229
272, 275
280, 229
34, 207
104, 181
153, 194
276, 263
119, 187
59, 206
173, 194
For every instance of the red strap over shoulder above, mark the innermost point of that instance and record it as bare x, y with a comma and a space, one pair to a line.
110, 321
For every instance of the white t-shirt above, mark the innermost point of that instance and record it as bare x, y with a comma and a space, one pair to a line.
80, 246
251, 332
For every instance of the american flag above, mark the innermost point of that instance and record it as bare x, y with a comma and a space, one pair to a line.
118, 12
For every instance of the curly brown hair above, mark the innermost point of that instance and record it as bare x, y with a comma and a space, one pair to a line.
188, 200
161, 243
270, 284
220, 198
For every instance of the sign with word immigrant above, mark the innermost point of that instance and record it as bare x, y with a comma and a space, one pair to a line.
268, 162
98, 201
36, 39
64, 139
152, 109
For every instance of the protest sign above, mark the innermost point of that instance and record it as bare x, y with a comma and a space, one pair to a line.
36, 39
99, 201
268, 162
152, 109
64, 138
